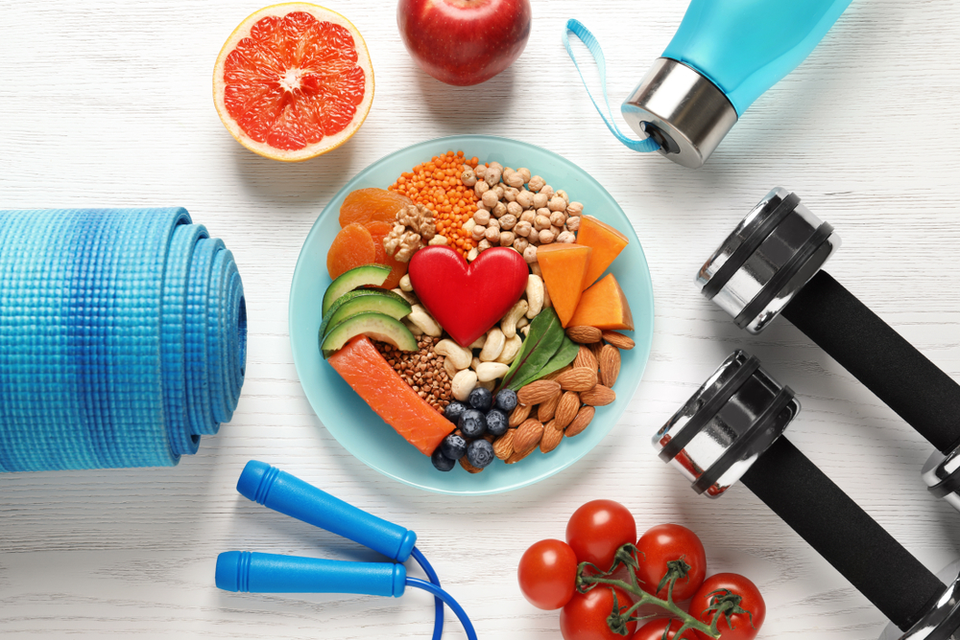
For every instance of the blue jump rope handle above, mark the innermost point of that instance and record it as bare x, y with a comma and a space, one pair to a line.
291, 496
248, 572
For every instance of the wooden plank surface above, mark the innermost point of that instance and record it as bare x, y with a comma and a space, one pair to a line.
106, 103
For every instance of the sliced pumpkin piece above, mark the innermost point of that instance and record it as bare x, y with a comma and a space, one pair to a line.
563, 266
604, 306
606, 241
375, 381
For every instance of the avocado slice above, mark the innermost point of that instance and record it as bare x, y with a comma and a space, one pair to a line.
364, 300
378, 326
366, 275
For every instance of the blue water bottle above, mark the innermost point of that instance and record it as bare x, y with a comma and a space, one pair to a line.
725, 54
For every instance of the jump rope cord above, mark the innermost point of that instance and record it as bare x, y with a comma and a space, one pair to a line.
593, 46
450, 602
438, 601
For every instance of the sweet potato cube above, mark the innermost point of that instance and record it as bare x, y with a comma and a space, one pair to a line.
563, 266
604, 306
606, 241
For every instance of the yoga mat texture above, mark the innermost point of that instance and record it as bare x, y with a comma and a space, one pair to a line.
122, 338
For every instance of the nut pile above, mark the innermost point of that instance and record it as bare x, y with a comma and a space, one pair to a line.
563, 403
422, 370
519, 210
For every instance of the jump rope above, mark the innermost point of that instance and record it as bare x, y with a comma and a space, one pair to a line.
254, 572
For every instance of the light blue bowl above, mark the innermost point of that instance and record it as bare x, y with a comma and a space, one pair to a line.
357, 427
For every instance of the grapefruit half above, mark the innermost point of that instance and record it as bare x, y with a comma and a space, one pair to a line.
293, 81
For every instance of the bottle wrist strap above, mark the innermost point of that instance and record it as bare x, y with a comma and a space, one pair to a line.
576, 28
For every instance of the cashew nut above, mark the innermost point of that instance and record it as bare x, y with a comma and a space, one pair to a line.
449, 368
509, 322
406, 295
535, 295
414, 329
423, 320
454, 353
463, 383
479, 342
493, 345
510, 349
405, 284
489, 385
472, 254
488, 371
474, 363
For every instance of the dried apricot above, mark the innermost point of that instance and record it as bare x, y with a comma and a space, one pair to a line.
370, 204
352, 247
379, 230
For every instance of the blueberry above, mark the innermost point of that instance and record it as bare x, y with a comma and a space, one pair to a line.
454, 446
506, 400
480, 453
497, 422
442, 462
454, 410
480, 399
472, 423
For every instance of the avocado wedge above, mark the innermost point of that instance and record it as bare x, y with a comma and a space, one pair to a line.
366, 275
352, 302
378, 326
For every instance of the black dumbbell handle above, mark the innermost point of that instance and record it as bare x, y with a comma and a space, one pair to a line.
840, 531
902, 377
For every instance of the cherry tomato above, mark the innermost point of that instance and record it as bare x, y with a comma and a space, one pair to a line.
669, 542
654, 631
744, 621
597, 529
585, 616
548, 574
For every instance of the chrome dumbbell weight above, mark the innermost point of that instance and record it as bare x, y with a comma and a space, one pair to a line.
730, 430
771, 265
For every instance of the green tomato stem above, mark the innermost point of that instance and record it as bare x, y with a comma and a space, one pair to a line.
626, 556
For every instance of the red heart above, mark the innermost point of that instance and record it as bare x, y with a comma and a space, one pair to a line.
468, 299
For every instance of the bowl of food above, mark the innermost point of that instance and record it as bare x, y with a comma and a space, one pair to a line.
534, 301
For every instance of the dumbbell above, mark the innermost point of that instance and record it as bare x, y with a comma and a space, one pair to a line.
771, 264
731, 429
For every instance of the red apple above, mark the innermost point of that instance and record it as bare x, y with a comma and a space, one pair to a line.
464, 42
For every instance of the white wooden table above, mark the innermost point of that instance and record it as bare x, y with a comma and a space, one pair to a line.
107, 103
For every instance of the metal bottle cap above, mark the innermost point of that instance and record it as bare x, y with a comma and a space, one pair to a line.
941, 473
682, 110
771, 254
726, 425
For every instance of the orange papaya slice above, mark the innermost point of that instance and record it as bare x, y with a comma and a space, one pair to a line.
604, 306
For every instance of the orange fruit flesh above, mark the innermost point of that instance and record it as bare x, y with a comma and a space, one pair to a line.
293, 80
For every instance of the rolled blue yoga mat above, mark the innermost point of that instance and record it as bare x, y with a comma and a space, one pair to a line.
122, 338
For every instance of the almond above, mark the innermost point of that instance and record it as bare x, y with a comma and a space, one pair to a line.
584, 416
552, 435
618, 340
503, 446
527, 436
598, 396
538, 391
585, 359
559, 372
609, 365
469, 467
578, 379
584, 334
566, 409
546, 410
519, 414
517, 456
